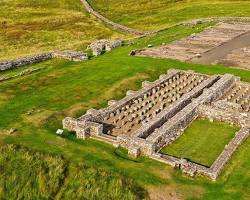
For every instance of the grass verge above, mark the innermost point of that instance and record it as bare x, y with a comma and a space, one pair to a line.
202, 142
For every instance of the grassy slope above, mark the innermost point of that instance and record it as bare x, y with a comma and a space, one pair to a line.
67, 88
156, 14
29, 26
29, 175
202, 141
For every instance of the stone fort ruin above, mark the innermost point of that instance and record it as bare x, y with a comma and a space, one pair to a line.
226, 43
147, 120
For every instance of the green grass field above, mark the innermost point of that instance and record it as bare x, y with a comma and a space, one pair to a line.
25, 174
202, 142
29, 26
65, 88
158, 14
36, 104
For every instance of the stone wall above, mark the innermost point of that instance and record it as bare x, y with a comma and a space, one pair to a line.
176, 107
13, 64
224, 157
226, 112
212, 172
69, 55
23, 73
147, 86
99, 46
109, 22
201, 99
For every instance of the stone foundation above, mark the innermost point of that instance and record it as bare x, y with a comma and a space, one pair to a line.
155, 116
98, 47
23, 73
69, 55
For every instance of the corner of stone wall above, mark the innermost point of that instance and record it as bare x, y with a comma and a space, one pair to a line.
70, 123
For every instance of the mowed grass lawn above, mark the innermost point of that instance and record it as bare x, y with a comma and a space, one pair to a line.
37, 103
202, 142
157, 14
29, 26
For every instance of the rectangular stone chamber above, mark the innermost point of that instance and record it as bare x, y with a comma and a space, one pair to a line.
155, 116
138, 111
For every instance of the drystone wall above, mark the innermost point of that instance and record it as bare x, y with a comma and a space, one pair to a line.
212, 172
23, 73
109, 22
226, 112
173, 128
69, 55
220, 162
13, 64
125, 29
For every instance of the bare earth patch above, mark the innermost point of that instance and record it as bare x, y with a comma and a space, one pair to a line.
37, 117
163, 193
172, 192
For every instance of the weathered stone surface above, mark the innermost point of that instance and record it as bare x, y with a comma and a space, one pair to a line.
13, 64
98, 47
230, 46
23, 73
70, 55
147, 120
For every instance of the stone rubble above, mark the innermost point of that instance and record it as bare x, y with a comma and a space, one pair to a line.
70, 55
98, 47
23, 73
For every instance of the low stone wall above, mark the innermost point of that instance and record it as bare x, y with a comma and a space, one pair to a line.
172, 129
225, 111
109, 22
142, 34
23, 73
174, 108
13, 64
136, 146
147, 86
212, 172
217, 19
69, 55
99, 46
200, 99
220, 162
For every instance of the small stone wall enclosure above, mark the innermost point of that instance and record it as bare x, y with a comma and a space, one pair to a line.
155, 116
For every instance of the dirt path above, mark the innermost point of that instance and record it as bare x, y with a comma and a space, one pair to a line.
220, 53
